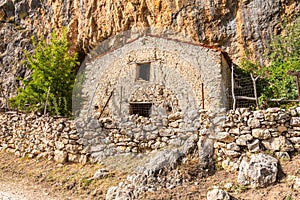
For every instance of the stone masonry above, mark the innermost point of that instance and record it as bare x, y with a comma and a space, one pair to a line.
240, 134
29, 135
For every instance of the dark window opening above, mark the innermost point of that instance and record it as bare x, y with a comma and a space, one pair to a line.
143, 71
141, 109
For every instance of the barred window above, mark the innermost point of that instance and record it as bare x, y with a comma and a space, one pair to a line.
141, 109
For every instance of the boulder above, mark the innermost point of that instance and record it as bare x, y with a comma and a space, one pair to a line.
205, 149
261, 171
217, 194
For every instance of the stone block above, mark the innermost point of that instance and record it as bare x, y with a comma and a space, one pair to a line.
73, 157
295, 140
281, 129
253, 123
59, 145
224, 137
295, 121
243, 140
60, 156
261, 133
278, 144
254, 146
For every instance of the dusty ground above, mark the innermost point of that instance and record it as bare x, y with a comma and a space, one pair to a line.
197, 189
40, 179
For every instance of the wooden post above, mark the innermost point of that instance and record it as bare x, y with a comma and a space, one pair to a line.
121, 96
232, 87
293, 73
297, 83
254, 88
46, 103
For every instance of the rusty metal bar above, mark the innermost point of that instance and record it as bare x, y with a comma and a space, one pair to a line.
202, 95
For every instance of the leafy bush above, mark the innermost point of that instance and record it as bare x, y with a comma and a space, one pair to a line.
52, 79
284, 55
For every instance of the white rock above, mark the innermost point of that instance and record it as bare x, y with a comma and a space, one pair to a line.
217, 194
261, 171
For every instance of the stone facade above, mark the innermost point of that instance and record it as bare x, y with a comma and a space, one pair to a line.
182, 78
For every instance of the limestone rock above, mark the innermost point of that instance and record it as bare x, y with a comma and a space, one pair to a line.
281, 129
160, 160
283, 156
244, 139
261, 171
295, 121
233, 146
261, 133
254, 123
278, 144
205, 150
295, 140
254, 146
60, 156
217, 194
175, 116
101, 173
224, 137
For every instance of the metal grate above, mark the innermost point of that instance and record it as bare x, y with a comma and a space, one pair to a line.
141, 109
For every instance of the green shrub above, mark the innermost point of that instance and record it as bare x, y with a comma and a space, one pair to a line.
52, 79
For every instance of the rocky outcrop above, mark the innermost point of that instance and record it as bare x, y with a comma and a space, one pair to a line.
235, 26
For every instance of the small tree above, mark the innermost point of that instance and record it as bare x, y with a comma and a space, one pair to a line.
52, 79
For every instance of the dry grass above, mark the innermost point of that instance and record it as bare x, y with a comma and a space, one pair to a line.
74, 180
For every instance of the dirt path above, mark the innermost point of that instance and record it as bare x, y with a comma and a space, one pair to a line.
19, 191
23, 190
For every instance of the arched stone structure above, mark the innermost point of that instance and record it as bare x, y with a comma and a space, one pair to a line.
147, 95
188, 70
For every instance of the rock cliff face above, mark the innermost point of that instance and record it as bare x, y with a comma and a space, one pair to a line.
235, 26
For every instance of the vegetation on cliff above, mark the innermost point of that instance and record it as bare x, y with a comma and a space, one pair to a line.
284, 56
53, 74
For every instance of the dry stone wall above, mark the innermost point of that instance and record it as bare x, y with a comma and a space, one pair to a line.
137, 134
29, 135
274, 131
239, 134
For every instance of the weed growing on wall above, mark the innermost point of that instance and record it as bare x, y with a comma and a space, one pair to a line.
53, 73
